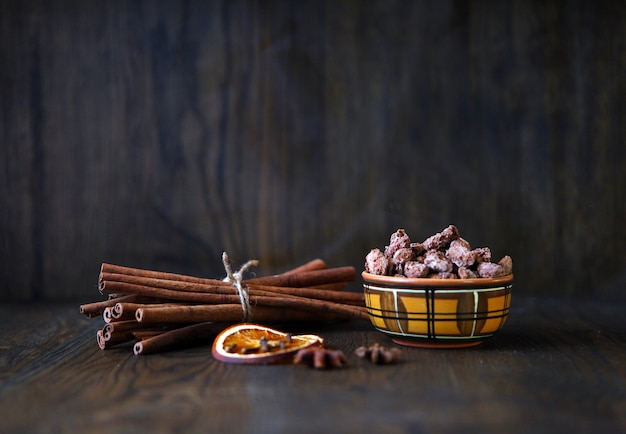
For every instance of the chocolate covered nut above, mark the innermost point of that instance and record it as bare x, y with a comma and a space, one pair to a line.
442, 240
416, 269
398, 240
402, 256
437, 261
418, 248
460, 254
490, 269
482, 254
461, 241
466, 273
376, 262
507, 264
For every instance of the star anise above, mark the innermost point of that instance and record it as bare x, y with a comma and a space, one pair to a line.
320, 358
378, 354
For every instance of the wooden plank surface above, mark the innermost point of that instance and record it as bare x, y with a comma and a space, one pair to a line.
556, 366
159, 135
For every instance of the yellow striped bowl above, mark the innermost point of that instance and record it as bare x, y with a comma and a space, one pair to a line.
443, 313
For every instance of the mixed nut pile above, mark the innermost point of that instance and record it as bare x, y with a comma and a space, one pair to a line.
444, 255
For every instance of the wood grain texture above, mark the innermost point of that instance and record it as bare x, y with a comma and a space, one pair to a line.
159, 135
557, 365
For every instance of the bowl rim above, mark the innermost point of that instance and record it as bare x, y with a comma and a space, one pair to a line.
420, 282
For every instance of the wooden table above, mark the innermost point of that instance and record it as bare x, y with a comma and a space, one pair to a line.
557, 365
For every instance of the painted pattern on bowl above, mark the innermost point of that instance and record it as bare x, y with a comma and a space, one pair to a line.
437, 312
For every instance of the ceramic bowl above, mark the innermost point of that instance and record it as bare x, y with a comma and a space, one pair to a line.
444, 313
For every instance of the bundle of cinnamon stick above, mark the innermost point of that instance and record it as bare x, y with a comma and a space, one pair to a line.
160, 311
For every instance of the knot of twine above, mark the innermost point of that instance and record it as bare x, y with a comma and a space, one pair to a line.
236, 279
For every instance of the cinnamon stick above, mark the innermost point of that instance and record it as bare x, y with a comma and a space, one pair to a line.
107, 314
146, 334
118, 337
307, 278
111, 340
182, 337
97, 308
315, 264
100, 339
121, 326
126, 311
226, 313
337, 286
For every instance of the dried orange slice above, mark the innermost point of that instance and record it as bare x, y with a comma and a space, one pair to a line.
257, 344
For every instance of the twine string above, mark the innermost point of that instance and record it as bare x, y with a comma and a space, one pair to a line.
236, 279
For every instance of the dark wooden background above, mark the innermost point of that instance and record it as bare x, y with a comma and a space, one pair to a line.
159, 134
